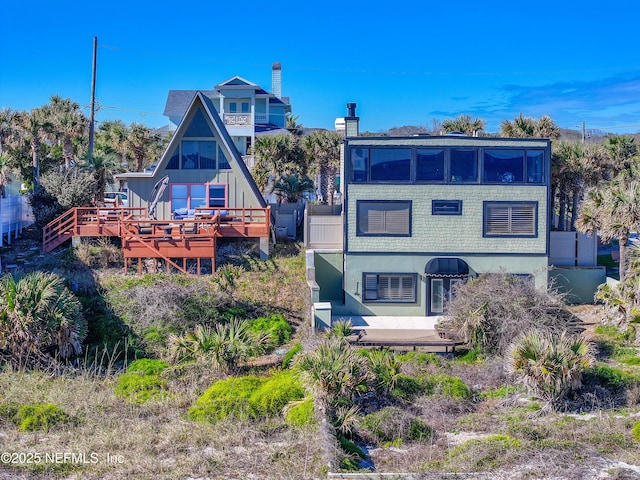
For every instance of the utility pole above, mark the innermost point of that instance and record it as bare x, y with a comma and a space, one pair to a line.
92, 117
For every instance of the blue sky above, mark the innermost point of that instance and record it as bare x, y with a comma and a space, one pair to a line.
403, 63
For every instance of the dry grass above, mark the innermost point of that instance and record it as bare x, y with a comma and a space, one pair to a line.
153, 440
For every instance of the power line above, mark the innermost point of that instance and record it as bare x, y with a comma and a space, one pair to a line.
209, 59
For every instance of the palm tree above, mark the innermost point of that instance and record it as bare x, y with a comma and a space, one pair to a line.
623, 151
139, 142
575, 168
225, 346
8, 127
291, 187
277, 156
612, 211
104, 168
323, 151
5, 172
35, 128
550, 365
68, 124
465, 124
334, 371
38, 312
293, 126
528, 127
110, 139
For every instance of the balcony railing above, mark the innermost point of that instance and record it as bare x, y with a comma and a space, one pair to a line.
242, 119
237, 119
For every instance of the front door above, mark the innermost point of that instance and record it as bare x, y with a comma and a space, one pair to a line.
441, 290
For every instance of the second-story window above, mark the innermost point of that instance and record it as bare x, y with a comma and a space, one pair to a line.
384, 218
390, 164
503, 166
430, 165
463, 166
198, 155
510, 219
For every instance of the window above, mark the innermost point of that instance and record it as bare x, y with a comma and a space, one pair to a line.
200, 155
390, 164
440, 164
360, 164
199, 127
233, 107
217, 195
196, 195
430, 165
244, 107
535, 166
384, 218
223, 163
446, 207
503, 166
510, 219
174, 161
463, 165
391, 288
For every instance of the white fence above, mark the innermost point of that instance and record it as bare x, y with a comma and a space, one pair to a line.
288, 217
573, 249
323, 227
15, 215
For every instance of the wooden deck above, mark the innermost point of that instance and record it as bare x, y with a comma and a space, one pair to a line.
404, 338
173, 242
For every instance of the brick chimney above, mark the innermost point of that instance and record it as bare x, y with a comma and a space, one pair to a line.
352, 123
276, 79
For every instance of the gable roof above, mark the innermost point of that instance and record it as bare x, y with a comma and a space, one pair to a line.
179, 101
236, 80
201, 101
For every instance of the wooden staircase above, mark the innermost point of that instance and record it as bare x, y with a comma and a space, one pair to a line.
85, 222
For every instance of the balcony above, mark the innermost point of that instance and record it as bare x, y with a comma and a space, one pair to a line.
237, 119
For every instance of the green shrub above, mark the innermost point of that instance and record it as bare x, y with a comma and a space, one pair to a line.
248, 397
349, 464
385, 368
275, 393
635, 431
470, 356
275, 326
226, 398
139, 388
392, 423
301, 414
448, 386
350, 448
147, 366
612, 378
501, 392
419, 358
408, 388
335, 370
8, 410
288, 357
633, 361
34, 416
548, 364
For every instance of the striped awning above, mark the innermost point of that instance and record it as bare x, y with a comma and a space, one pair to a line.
446, 267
